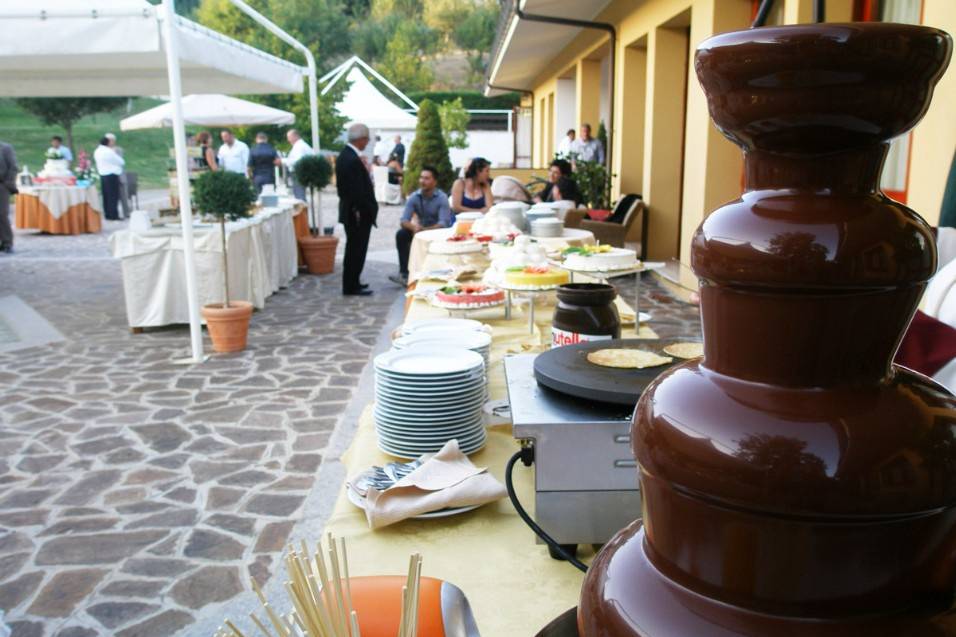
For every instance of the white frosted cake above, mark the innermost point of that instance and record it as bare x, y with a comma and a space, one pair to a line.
56, 168
599, 258
457, 244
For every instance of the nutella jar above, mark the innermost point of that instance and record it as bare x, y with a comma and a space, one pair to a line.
585, 312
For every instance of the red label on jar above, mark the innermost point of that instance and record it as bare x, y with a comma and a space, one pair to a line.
560, 338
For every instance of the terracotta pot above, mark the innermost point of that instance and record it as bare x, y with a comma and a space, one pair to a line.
319, 253
228, 326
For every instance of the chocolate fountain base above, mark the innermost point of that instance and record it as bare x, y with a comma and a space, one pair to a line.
632, 597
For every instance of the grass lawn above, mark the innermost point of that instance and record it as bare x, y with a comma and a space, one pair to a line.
146, 151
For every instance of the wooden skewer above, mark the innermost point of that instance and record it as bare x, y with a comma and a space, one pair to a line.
260, 625
235, 631
276, 622
304, 591
337, 589
353, 617
348, 585
417, 585
403, 620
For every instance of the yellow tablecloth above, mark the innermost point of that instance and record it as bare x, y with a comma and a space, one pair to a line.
514, 586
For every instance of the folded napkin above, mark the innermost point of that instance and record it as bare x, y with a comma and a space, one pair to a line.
446, 479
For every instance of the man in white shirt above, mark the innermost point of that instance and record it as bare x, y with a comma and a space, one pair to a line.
110, 166
299, 150
587, 148
564, 148
233, 154
56, 146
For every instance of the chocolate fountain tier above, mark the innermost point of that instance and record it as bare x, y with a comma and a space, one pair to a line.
794, 481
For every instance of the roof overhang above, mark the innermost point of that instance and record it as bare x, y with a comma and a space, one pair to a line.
53, 48
525, 48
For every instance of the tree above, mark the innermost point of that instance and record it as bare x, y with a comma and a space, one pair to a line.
454, 123
428, 149
319, 24
66, 111
475, 33
403, 61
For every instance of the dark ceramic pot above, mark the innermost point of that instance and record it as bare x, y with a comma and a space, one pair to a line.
794, 481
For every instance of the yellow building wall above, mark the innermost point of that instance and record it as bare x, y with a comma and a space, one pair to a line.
711, 168
934, 138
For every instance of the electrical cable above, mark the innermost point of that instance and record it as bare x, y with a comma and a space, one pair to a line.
526, 455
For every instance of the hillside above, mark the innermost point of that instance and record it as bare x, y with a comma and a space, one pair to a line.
145, 151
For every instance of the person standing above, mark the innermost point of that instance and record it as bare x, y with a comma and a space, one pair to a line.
233, 155
299, 150
587, 148
56, 146
123, 186
564, 148
380, 151
398, 151
110, 166
263, 160
427, 208
358, 210
207, 156
8, 186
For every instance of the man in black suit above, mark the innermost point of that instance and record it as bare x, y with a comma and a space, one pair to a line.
358, 209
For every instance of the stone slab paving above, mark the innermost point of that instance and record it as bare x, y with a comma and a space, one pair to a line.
137, 494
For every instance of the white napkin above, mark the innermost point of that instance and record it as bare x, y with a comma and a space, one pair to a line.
446, 479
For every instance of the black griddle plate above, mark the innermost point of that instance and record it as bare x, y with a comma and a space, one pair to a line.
567, 370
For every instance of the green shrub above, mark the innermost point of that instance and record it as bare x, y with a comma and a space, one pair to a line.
428, 149
594, 182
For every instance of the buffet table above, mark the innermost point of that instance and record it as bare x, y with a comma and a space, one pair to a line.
262, 258
513, 585
418, 256
59, 209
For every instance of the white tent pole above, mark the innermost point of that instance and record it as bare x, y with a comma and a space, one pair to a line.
182, 176
325, 78
309, 58
338, 75
395, 90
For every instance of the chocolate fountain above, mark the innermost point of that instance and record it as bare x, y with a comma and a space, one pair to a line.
794, 481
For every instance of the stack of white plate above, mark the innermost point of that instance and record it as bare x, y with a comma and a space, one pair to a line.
476, 341
426, 325
426, 395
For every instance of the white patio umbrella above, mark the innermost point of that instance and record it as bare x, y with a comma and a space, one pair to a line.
217, 111
56, 48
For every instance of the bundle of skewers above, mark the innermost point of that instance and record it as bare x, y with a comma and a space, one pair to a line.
321, 597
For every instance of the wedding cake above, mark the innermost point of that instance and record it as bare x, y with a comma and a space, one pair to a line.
56, 168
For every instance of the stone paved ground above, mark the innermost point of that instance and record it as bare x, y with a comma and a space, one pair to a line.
136, 494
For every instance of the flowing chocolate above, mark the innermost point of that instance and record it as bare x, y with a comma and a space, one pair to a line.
794, 481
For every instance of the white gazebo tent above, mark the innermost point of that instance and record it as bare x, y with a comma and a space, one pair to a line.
54, 48
212, 110
364, 103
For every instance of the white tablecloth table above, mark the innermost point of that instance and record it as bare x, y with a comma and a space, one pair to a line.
419, 250
262, 255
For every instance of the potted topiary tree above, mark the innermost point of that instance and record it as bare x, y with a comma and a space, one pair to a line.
314, 173
225, 195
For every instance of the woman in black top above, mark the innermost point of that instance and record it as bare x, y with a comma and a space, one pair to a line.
263, 159
207, 156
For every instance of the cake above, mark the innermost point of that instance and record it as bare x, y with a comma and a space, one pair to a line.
599, 258
534, 277
56, 170
456, 244
468, 296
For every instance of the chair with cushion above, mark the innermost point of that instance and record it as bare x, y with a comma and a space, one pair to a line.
573, 218
614, 230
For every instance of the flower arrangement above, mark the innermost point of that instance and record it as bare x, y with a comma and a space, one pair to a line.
85, 171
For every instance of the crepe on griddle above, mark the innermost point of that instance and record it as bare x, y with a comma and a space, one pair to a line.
685, 350
624, 358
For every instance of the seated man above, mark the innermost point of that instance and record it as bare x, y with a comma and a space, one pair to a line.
426, 208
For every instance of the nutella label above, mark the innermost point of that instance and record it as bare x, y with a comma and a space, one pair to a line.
559, 337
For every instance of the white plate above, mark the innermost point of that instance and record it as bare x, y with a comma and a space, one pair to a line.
442, 388
429, 360
468, 339
410, 422
356, 499
440, 438
436, 302
425, 405
441, 324
427, 412
412, 451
